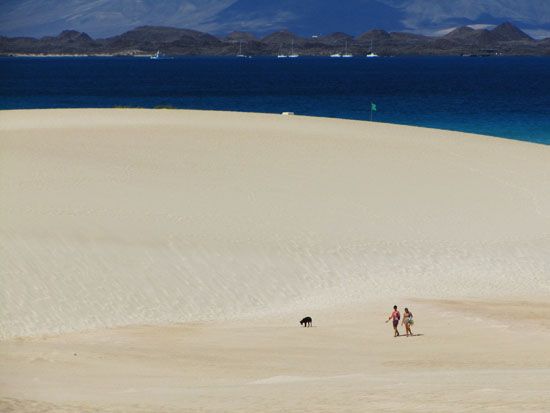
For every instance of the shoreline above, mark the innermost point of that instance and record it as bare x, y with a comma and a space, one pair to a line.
164, 108
264, 56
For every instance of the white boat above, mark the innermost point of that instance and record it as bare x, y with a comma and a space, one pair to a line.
159, 56
240, 54
372, 54
346, 54
336, 55
293, 55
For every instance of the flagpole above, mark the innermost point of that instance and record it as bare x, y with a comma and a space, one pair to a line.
373, 109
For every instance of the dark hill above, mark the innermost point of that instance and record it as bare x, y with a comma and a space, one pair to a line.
240, 37
151, 38
408, 37
508, 32
68, 38
335, 39
283, 37
375, 35
505, 32
463, 32
155, 34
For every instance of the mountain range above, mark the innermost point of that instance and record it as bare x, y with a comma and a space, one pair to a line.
105, 18
504, 39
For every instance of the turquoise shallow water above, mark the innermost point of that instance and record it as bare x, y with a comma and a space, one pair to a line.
501, 96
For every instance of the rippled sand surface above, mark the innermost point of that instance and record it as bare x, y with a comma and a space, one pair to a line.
158, 260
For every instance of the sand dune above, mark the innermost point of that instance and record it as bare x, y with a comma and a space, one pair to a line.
226, 223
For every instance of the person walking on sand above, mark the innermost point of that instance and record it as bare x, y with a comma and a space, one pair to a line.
408, 321
395, 317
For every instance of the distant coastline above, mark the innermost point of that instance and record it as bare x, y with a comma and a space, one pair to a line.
73, 55
504, 40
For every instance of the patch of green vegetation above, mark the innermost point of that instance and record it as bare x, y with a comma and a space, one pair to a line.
141, 107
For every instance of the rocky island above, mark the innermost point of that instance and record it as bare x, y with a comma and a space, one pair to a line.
504, 39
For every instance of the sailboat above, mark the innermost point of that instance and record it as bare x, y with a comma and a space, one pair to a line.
293, 55
336, 55
159, 56
346, 54
280, 55
372, 54
240, 54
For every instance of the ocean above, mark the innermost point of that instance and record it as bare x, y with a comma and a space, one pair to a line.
500, 96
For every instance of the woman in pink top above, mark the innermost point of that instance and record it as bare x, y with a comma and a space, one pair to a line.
395, 317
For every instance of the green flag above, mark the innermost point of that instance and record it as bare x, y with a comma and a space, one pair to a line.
373, 107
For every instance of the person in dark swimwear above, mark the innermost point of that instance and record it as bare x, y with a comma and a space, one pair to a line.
408, 321
395, 317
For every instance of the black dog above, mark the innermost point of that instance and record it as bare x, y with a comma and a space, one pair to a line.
306, 322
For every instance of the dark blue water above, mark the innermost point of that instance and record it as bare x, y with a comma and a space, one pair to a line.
507, 97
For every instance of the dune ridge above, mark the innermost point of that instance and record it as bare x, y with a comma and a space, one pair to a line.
118, 217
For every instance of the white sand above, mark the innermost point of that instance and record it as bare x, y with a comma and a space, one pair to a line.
237, 225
